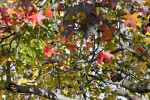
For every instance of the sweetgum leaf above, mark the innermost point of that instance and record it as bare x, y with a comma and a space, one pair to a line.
27, 4
37, 17
48, 12
72, 47
132, 20
49, 52
102, 56
69, 10
60, 5
111, 3
107, 34
5, 17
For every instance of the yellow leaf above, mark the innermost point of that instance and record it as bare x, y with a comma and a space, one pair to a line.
35, 73
82, 15
132, 20
62, 13
21, 81
147, 40
110, 17
148, 33
127, 16
33, 26
11, 1
90, 72
143, 64
65, 91
146, 96
135, 15
3, 59
144, 1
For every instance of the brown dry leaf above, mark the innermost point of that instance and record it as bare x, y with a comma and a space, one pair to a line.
107, 33
88, 46
72, 47
144, 66
3, 60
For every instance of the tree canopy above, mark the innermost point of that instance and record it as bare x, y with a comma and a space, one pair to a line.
74, 49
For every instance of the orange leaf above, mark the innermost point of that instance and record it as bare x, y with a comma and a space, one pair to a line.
144, 66
48, 12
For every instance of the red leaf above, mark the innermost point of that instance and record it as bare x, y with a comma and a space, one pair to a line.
102, 56
49, 52
3, 10
48, 12
147, 28
60, 5
111, 3
64, 39
5, 18
141, 50
37, 17
21, 14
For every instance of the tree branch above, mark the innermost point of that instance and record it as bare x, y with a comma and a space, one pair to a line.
8, 72
125, 47
141, 87
117, 50
43, 3
128, 95
28, 89
136, 87
37, 91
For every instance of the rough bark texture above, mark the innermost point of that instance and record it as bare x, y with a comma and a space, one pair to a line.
37, 91
136, 87
128, 95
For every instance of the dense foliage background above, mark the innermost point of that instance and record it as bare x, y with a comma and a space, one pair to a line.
80, 49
